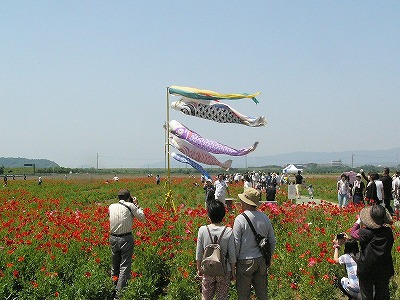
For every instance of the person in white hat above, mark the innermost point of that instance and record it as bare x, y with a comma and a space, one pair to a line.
251, 267
375, 265
358, 190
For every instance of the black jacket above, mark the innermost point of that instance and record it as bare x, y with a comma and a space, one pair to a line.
376, 260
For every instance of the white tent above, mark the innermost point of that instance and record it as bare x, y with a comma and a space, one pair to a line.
291, 169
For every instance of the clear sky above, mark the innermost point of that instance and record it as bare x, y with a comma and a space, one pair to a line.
79, 78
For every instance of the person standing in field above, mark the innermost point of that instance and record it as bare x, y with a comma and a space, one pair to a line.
379, 187
209, 190
158, 179
251, 267
221, 188
396, 192
298, 182
270, 193
217, 286
311, 191
375, 265
342, 190
247, 182
387, 190
121, 216
358, 190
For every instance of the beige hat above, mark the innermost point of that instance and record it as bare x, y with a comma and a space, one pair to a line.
375, 216
250, 196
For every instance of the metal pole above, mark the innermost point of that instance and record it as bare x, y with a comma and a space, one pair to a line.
167, 143
168, 197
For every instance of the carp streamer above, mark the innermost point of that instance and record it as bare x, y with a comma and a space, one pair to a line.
215, 111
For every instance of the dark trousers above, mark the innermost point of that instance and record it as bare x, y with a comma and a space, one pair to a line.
387, 205
381, 287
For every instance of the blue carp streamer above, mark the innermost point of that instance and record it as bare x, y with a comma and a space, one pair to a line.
184, 159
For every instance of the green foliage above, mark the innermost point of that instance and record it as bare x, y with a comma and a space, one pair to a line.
151, 276
54, 240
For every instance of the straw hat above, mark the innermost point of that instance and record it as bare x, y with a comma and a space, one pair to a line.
375, 216
250, 196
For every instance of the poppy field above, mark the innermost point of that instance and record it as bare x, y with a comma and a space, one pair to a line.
54, 240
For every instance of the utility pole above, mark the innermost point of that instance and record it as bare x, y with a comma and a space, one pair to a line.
97, 165
352, 160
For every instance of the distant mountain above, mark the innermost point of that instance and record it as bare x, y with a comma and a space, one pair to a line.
18, 162
390, 158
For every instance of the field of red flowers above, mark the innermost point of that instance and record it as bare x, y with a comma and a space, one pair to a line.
54, 241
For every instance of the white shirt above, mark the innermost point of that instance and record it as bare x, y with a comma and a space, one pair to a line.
343, 187
379, 189
396, 187
220, 190
247, 184
121, 218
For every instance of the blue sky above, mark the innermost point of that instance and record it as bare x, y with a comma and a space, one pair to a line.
85, 77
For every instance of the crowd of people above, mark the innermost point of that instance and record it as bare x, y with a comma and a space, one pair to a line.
366, 250
266, 183
371, 188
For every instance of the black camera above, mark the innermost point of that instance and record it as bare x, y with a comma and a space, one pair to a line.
340, 236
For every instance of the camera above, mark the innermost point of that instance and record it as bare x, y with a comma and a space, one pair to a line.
340, 236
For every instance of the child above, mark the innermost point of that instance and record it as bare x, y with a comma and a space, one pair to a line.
311, 191
216, 285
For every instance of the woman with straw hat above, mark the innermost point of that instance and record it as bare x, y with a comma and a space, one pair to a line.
375, 266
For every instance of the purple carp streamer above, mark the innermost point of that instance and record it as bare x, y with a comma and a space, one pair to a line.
215, 111
187, 160
195, 139
198, 154
194, 93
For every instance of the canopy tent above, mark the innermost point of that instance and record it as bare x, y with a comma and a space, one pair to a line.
291, 169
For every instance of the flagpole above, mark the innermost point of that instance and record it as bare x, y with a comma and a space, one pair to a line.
168, 197
168, 146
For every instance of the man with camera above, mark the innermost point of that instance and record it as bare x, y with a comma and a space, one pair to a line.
122, 214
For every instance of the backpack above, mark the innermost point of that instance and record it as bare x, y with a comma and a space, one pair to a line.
213, 262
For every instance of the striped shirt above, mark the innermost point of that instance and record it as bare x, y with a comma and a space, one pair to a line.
121, 218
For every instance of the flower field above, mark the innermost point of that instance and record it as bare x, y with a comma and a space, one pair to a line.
54, 240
